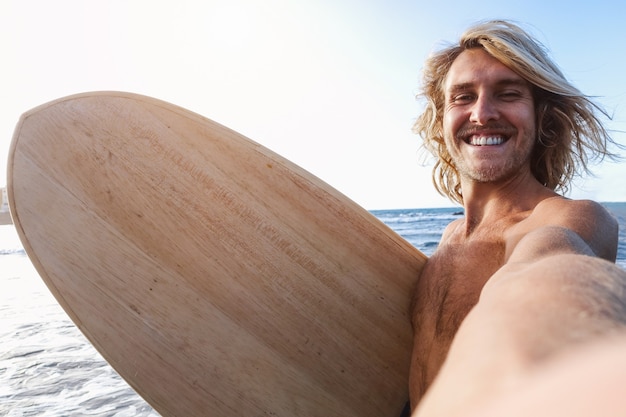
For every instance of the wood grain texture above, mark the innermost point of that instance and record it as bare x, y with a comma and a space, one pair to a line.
216, 277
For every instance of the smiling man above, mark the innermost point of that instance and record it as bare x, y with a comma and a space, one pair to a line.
490, 108
527, 276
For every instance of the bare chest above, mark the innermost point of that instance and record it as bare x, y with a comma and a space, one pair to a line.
448, 288
452, 280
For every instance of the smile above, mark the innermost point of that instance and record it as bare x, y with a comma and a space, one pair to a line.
486, 140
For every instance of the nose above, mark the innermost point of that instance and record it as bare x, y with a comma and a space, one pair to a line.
483, 111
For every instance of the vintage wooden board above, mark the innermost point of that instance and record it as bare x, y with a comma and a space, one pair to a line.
216, 277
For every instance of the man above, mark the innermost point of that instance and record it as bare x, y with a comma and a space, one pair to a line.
527, 276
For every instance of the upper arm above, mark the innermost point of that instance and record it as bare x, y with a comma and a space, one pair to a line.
600, 231
566, 226
547, 241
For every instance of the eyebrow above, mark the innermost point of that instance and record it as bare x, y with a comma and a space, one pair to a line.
505, 82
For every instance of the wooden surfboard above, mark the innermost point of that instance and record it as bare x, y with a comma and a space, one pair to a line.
215, 276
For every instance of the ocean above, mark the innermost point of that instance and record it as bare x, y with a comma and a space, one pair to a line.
49, 369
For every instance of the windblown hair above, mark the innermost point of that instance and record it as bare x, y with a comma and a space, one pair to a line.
569, 130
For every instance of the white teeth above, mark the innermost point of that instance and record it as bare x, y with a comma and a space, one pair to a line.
486, 141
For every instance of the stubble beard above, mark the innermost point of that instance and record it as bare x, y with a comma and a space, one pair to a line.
495, 172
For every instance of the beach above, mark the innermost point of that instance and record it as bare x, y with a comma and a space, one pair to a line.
48, 368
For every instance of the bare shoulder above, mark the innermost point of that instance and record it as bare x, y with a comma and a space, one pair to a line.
559, 220
450, 229
564, 209
585, 217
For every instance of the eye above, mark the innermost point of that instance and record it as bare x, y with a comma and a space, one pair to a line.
463, 98
510, 95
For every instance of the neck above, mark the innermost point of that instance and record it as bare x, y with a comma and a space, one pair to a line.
489, 202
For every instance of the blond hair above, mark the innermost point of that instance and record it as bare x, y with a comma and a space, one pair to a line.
569, 130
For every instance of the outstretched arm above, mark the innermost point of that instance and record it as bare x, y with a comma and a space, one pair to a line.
554, 295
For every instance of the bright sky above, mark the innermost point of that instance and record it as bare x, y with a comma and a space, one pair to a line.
329, 84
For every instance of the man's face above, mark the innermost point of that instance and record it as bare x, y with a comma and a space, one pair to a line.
488, 119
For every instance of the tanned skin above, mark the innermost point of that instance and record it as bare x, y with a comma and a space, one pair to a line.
515, 250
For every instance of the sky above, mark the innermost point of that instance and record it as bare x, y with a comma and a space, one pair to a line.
328, 84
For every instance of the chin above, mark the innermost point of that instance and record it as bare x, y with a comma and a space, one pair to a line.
489, 175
